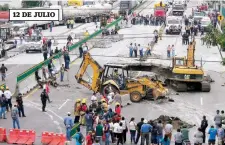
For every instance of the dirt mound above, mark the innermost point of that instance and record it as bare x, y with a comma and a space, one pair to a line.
176, 122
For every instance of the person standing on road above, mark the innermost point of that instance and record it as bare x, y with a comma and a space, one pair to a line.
89, 121
79, 137
49, 45
165, 140
99, 132
139, 130
178, 138
145, 132
19, 101
160, 131
168, 129
185, 133
198, 137
15, 118
135, 50
218, 119
3, 70
173, 51
62, 70
44, 97
68, 122
212, 135
132, 127
44, 73
81, 51
8, 96
3, 103
89, 138
131, 49
120, 134
107, 132
168, 51
204, 125
123, 121
220, 134
47, 89
117, 98
77, 108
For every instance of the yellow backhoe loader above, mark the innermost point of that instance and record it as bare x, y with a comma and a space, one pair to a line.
186, 75
117, 78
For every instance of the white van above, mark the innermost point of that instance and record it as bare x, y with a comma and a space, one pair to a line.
205, 22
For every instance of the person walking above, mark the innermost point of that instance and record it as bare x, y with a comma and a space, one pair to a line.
15, 117
139, 130
79, 138
44, 97
154, 134
148, 50
168, 129
168, 51
204, 125
3, 71
178, 138
141, 50
145, 132
68, 122
89, 138
8, 96
212, 135
3, 103
131, 49
132, 127
19, 101
117, 98
44, 73
99, 132
218, 119
62, 70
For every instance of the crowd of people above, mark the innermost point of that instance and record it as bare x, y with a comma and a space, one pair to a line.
138, 19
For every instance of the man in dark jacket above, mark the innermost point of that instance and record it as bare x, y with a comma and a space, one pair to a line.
44, 98
19, 101
204, 125
81, 51
3, 103
3, 71
139, 130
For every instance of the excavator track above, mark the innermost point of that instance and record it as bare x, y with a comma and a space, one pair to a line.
181, 87
205, 87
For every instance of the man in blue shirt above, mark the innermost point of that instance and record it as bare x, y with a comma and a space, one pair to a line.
68, 121
212, 135
145, 132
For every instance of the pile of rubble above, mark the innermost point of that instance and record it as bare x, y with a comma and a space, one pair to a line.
176, 122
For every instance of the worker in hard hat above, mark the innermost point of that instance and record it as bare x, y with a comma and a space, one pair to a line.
71, 23
68, 122
8, 96
77, 107
83, 110
86, 34
118, 108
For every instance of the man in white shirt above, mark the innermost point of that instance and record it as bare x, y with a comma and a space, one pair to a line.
168, 129
8, 96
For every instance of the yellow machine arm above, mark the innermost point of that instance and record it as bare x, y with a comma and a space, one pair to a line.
96, 76
191, 54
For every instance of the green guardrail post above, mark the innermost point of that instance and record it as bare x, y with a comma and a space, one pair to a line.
74, 129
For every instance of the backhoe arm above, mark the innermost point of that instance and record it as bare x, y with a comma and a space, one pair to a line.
97, 70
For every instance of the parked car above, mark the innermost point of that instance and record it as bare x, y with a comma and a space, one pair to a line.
8, 45
34, 48
33, 43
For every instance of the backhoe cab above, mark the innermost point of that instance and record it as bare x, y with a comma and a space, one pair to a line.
118, 78
186, 75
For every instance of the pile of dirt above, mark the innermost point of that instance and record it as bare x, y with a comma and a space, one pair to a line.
176, 122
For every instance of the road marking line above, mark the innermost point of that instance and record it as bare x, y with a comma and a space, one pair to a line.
64, 103
31, 93
201, 100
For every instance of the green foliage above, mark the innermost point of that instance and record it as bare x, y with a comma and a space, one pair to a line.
30, 4
214, 36
4, 7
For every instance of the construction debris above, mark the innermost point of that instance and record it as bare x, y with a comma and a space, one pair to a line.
176, 122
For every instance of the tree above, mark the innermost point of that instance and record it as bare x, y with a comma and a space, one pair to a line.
4, 7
